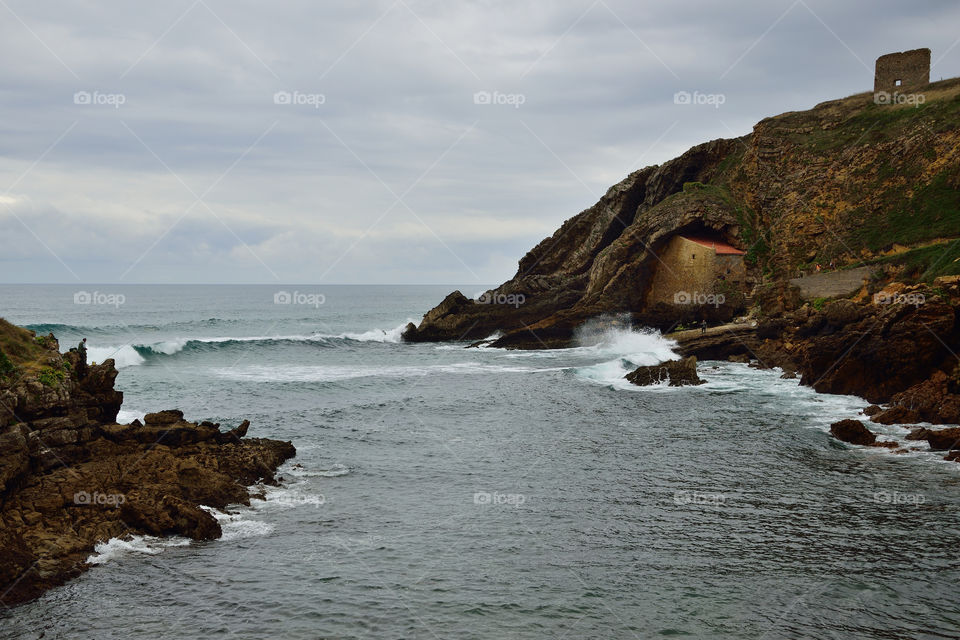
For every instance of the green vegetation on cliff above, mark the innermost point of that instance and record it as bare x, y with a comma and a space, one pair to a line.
849, 180
19, 351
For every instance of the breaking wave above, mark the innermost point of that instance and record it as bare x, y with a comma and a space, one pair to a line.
130, 355
623, 350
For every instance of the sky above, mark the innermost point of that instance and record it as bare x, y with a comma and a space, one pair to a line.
383, 141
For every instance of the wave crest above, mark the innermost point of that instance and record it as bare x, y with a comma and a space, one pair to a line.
131, 355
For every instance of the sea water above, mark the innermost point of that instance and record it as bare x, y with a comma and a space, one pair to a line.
446, 492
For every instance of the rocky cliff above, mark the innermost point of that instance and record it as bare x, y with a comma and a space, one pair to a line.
898, 347
848, 182
70, 476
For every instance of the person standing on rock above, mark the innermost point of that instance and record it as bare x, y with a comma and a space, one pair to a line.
703, 326
82, 364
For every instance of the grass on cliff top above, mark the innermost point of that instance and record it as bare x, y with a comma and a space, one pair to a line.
876, 123
19, 349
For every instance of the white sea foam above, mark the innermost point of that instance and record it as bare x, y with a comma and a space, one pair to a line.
335, 373
123, 356
236, 526
126, 416
377, 335
291, 496
170, 347
629, 350
642, 347
118, 547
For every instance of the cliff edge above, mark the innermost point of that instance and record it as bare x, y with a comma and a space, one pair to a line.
71, 476
848, 183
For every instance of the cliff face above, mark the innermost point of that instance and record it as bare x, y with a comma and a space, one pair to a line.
70, 476
845, 182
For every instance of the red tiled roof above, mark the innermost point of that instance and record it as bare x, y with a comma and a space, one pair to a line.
721, 247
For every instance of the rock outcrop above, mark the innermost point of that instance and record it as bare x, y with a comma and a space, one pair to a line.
677, 372
600, 260
852, 431
71, 477
943, 439
846, 182
899, 354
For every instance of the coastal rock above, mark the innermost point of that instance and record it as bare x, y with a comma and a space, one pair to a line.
678, 372
886, 352
852, 431
599, 261
917, 433
70, 476
160, 418
735, 343
895, 415
604, 259
169, 515
944, 439
934, 400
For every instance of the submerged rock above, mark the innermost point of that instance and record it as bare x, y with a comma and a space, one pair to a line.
678, 372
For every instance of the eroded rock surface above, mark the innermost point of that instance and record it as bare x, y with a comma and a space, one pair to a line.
70, 476
677, 372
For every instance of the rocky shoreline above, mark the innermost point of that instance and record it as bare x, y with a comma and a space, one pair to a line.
902, 356
71, 476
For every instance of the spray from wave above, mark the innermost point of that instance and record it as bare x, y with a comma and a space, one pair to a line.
624, 349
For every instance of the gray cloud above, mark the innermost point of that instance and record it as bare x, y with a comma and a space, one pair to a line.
309, 192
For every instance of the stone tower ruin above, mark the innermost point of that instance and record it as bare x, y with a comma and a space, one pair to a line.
899, 71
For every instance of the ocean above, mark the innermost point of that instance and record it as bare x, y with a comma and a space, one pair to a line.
446, 492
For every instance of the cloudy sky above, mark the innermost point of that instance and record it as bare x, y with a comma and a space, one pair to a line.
382, 141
